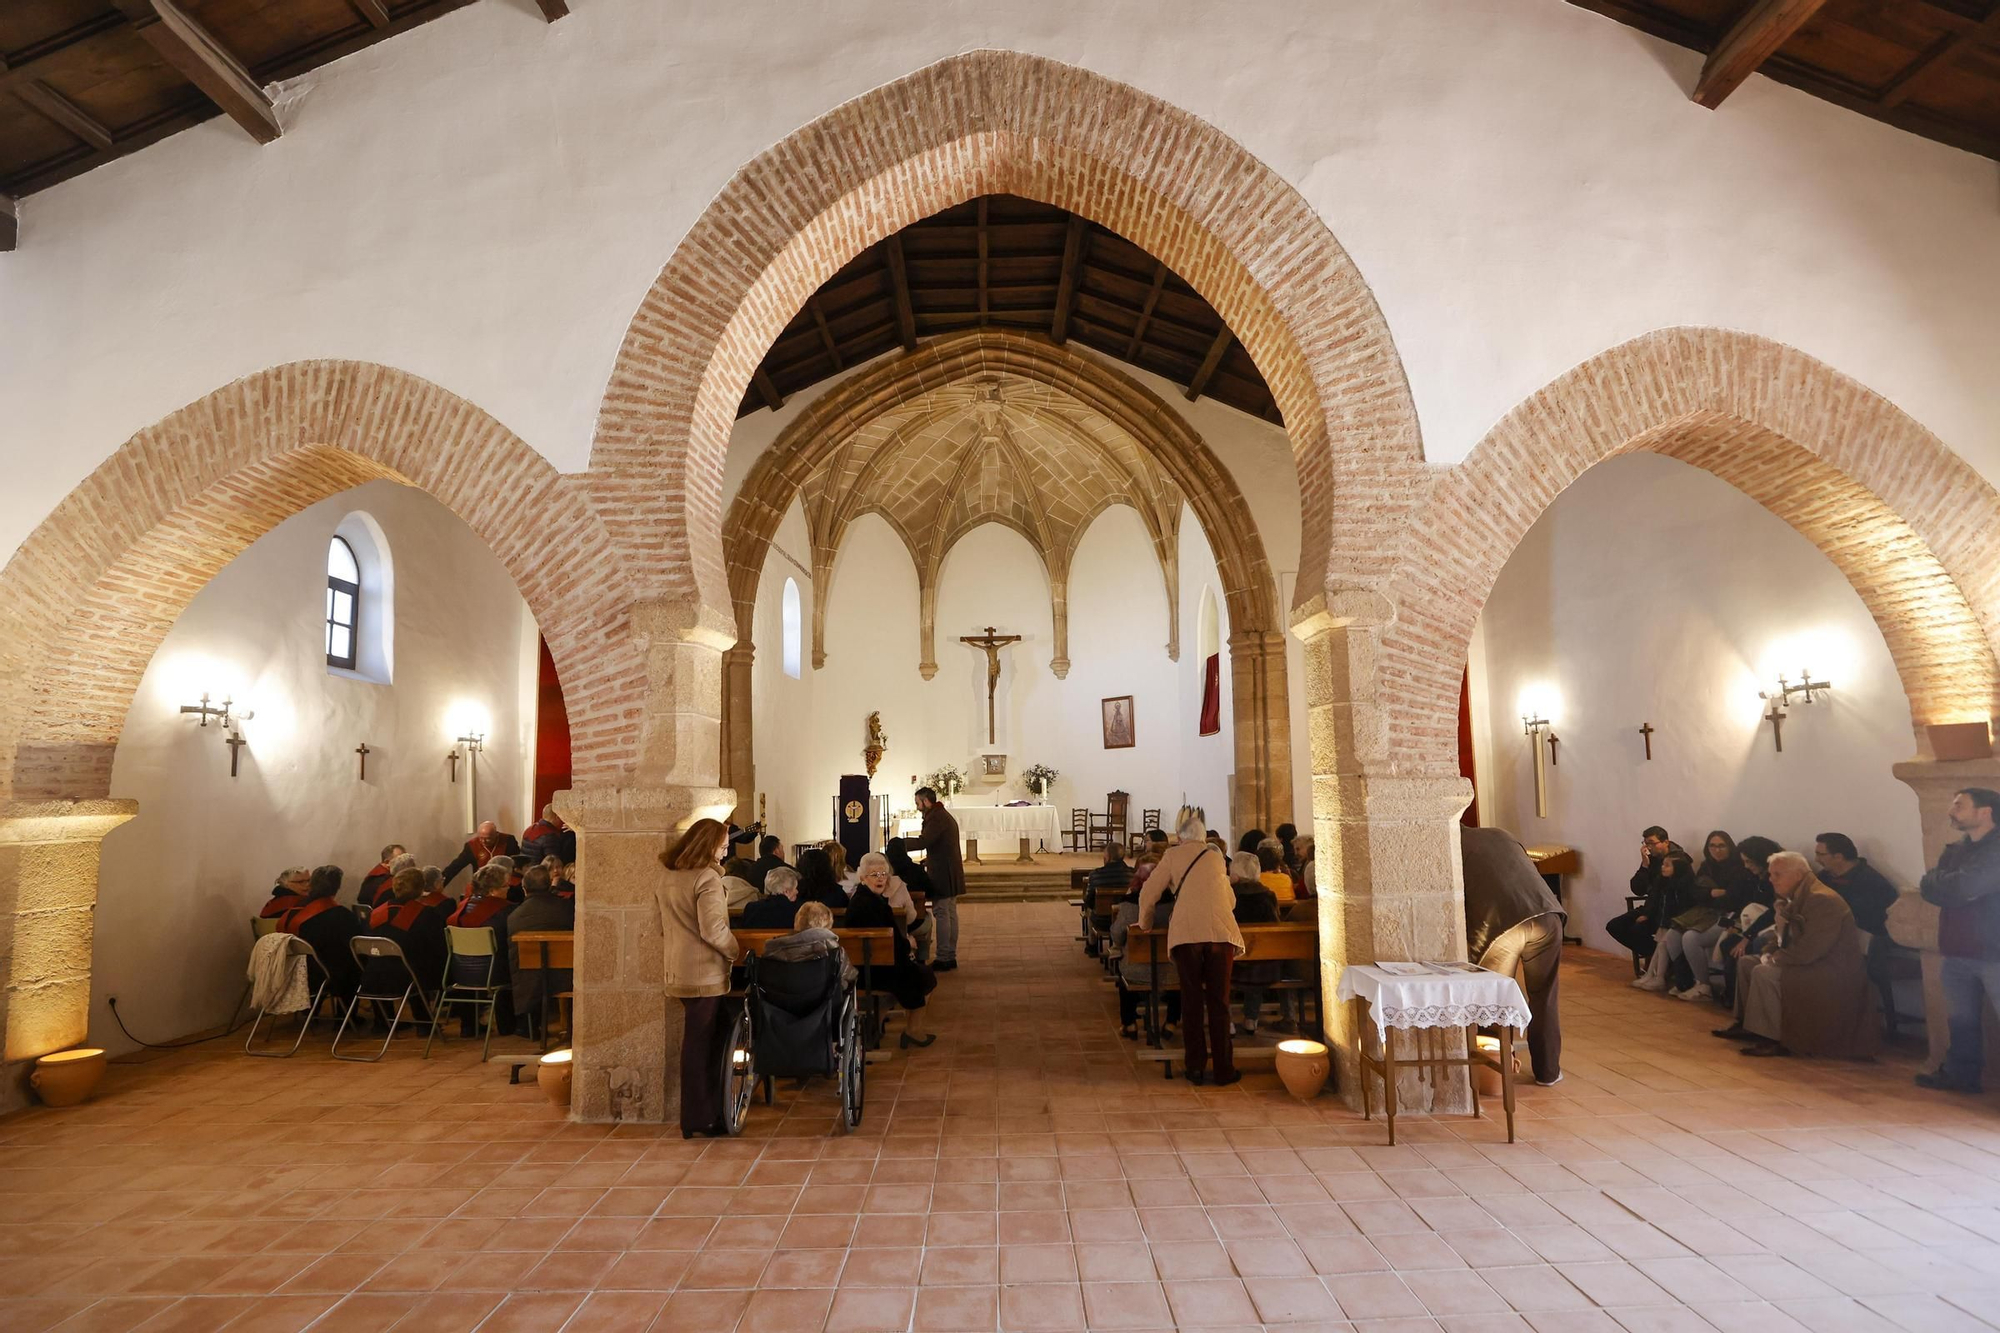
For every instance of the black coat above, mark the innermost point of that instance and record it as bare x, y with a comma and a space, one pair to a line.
1966, 884
774, 911
328, 934
1502, 887
908, 980
1869, 895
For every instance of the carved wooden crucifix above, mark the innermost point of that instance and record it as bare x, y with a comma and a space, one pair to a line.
992, 643
234, 740
1646, 732
362, 750
453, 756
1776, 717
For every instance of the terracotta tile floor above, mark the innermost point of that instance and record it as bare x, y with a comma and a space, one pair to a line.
1024, 1173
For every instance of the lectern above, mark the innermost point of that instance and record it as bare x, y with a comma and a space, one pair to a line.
851, 823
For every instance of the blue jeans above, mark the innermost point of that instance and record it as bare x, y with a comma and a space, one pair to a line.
1969, 984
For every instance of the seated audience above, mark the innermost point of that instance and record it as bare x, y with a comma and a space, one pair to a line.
1635, 930
876, 872
737, 890
1305, 850
1287, 836
1676, 893
541, 909
735, 867
1513, 923
1869, 896
480, 848
779, 906
433, 894
563, 879
819, 879
376, 882
549, 836
1805, 989
1216, 841
1689, 939
907, 880
485, 906
1250, 841
812, 937
512, 866
767, 860
915, 878
1275, 877
908, 979
288, 892
324, 924
1134, 979
1111, 879
1256, 905
1965, 887
1743, 931
418, 930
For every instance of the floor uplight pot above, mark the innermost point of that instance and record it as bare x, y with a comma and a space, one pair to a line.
67, 1077
1303, 1067
554, 1076
1488, 1077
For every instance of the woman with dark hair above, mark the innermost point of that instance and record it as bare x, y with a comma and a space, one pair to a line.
1248, 842
418, 930
1676, 891
694, 924
1743, 930
819, 879
1721, 881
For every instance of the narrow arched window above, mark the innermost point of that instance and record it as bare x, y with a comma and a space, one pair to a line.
791, 617
343, 603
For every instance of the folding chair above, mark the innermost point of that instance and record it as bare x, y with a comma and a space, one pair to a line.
383, 969
469, 968
296, 948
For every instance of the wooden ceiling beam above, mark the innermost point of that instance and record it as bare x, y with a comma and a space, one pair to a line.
767, 390
373, 11
553, 9
983, 244
899, 284
825, 333
1074, 244
1940, 55
10, 222
24, 66
1216, 351
1756, 36
1146, 311
204, 62
52, 105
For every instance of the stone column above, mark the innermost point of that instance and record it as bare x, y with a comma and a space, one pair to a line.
739, 765
627, 1038
1260, 713
1390, 883
1935, 783
48, 899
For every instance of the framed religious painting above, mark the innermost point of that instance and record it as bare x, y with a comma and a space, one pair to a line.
1119, 729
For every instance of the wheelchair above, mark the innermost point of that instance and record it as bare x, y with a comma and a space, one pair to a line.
798, 1020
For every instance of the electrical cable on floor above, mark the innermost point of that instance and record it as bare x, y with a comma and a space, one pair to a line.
234, 1024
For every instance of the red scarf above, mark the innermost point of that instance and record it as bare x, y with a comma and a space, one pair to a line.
476, 912
481, 853
298, 916
401, 917
282, 904
435, 899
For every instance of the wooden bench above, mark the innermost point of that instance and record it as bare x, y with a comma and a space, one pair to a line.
1286, 941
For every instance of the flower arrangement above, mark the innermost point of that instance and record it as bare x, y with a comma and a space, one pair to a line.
1039, 780
947, 782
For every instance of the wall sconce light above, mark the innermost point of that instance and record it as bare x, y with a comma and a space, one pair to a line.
1781, 699
1532, 726
474, 742
206, 710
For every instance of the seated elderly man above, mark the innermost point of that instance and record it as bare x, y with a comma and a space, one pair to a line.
779, 906
1806, 991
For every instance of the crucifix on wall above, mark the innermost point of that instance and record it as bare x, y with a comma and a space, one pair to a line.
1646, 733
992, 643
362, 750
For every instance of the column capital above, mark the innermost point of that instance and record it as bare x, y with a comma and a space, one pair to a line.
62, 821
684, 621
1341, 608
635, 807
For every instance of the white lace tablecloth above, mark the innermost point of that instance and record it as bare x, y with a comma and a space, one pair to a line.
1442, 997
1009, 823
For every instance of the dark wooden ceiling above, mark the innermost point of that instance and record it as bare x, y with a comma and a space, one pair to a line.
86, 81
1931, 67
1006, 262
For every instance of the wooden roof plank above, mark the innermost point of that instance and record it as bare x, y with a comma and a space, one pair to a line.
204, 62
54, 106
899, 281
1209, 363
1075, 242
1756, 36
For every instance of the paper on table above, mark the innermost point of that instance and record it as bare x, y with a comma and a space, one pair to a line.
1405, 969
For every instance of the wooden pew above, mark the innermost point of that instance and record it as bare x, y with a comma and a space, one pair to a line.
1285, 941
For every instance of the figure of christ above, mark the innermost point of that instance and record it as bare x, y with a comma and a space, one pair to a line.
992, 643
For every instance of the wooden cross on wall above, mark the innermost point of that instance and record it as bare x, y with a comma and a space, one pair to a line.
362, 750
453, 756
1776, 717
1646, 732
235, 742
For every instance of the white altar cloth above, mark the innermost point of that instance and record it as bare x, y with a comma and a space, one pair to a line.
999, 826
1444, 995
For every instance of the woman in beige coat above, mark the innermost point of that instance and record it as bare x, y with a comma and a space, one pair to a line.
694, 923
1203, 940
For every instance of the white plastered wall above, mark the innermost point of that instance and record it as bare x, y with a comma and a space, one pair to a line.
484, 201
180, 882
1653, 592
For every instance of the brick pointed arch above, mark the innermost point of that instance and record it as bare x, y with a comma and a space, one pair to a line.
1913, 528
984, 122
93, 590
1262, 718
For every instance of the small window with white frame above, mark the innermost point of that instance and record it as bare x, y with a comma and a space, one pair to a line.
343, 604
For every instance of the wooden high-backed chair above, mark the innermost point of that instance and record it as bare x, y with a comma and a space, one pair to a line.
1114, 822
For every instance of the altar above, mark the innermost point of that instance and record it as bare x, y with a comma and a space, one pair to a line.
996, 826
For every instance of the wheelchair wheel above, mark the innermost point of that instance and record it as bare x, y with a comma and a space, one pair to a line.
853, 1068
739, 1075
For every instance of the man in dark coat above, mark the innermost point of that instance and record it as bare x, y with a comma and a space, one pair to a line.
767, 860
375, 884
482, 847
541, 908
549, 836
1513, 921
944, 862
1965, 884
1636, 929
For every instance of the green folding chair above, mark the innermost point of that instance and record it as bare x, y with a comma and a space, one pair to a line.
470, 966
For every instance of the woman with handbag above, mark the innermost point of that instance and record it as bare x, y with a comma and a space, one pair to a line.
1204, 942
694, 923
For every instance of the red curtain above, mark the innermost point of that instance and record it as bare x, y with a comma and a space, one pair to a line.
1211, 695
1465, 767
551, 734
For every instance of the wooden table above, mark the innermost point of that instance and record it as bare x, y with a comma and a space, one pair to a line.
553, 949
1431, 1027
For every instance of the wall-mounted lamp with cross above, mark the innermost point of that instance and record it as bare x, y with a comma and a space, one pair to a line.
1532, 725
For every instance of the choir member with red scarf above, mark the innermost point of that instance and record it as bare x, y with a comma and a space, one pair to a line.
375, 884
289, 892
327, 926
417, 929
434, 894
480, 848
485, 906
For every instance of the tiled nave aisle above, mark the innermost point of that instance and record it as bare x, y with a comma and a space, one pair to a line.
1022, 1173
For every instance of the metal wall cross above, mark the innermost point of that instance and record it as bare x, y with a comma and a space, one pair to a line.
362, 750
1647, 733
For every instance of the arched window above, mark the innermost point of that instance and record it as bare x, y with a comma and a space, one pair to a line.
343, 603
791, 628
